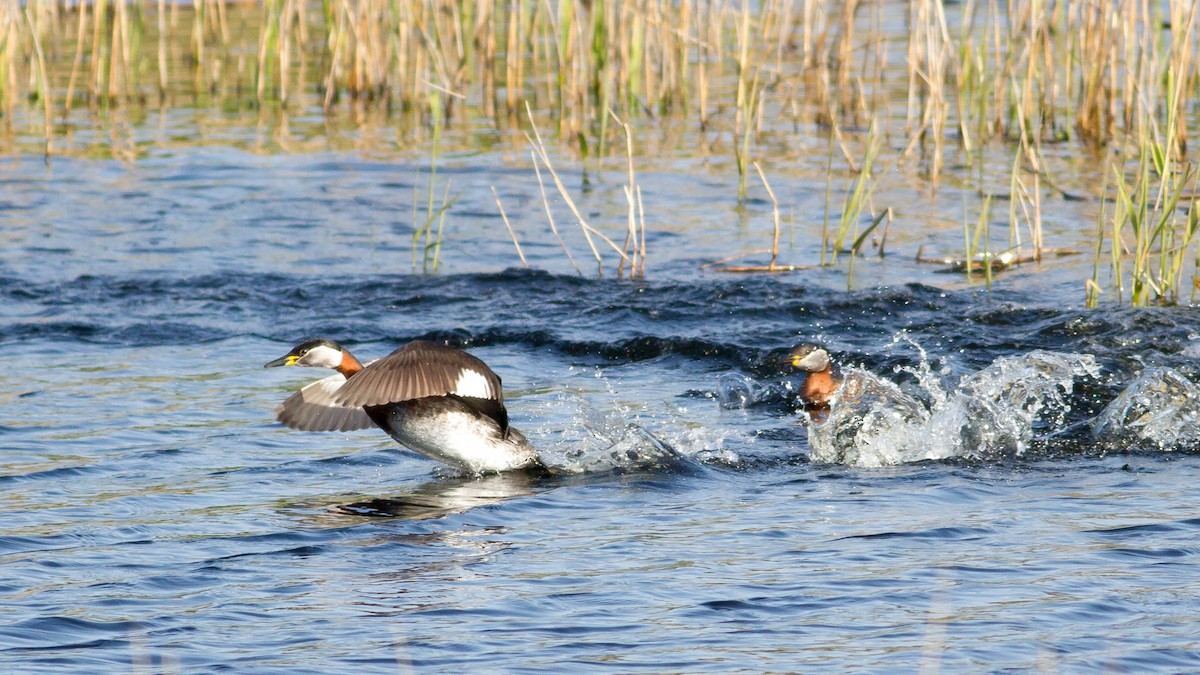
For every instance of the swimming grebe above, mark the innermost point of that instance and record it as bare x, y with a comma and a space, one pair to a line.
439, 401
820, 384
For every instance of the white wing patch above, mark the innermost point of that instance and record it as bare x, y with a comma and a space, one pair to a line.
472, 383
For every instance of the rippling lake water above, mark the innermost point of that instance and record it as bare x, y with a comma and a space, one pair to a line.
1033, 505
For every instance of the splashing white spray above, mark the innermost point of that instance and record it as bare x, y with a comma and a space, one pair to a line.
598, 432
1159, 410
992, 413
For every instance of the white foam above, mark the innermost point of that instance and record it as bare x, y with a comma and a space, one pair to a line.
1159, 410
990, 414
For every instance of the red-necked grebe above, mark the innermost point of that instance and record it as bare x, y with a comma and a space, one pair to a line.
439, 401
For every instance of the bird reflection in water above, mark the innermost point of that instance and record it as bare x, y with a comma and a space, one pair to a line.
442, 497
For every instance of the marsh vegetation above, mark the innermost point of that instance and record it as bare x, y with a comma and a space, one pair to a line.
1020, 109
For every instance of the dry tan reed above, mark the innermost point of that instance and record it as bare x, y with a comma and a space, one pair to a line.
1027, 70
936, 81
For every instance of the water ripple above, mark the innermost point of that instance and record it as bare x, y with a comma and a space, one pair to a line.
156, 515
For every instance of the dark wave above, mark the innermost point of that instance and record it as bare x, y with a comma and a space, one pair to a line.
745, 323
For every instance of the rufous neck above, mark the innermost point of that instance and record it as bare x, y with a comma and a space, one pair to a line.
349, 365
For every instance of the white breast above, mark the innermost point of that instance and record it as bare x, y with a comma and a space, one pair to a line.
458, 436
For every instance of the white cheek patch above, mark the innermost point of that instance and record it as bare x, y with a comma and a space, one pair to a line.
322, 357
472, 383
816, 361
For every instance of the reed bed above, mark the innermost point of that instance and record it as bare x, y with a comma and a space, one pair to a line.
1020, 71
913, 86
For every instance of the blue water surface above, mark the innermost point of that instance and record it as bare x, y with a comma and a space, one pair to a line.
156, 518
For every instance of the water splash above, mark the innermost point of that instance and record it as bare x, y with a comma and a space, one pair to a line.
993, 413
1159, 410
603, 441
737, 391
871, 422
583, 436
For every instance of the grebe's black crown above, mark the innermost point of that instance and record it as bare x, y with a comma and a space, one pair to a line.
299, 355
314, 343
804, 349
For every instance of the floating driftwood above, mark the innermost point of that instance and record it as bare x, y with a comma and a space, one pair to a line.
754, 269
772, 267
997, 261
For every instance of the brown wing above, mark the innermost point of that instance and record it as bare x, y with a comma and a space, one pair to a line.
313, 408
418, 370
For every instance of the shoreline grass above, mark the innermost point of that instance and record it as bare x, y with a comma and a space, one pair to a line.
916, 87
1020, 70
